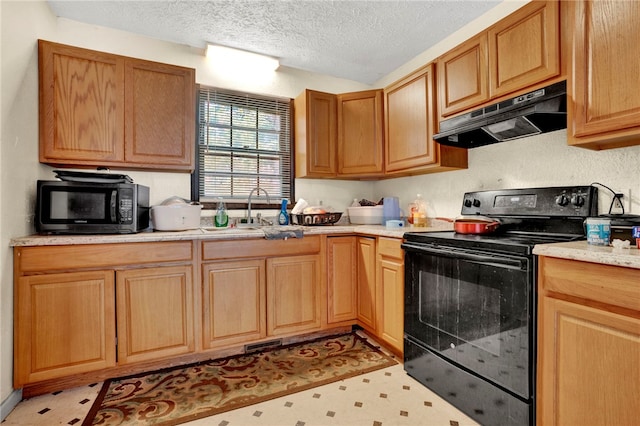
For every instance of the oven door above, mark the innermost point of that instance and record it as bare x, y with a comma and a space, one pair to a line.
473, 309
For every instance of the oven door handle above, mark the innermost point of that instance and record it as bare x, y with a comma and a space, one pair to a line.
465, 255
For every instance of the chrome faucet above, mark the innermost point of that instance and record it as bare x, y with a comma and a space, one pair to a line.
257, 191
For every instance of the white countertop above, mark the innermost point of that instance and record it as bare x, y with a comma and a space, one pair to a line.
580, 250
223, 234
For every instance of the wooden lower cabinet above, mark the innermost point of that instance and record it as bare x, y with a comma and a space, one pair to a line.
234, 302
65, 325
390, 290
366, 258
342, 292
588, 344
293, 295
154, 313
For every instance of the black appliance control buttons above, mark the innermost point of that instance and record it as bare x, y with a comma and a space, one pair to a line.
467, 203
577, 200
562, 200
476, 202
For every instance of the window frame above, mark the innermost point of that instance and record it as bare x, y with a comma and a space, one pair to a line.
195, 175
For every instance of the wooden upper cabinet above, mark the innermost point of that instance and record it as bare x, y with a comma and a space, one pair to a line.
517, 52
360, 133
604, 106
409, 128
524, 48
81, 105
99, 109
463, 76
315, 134
160, 114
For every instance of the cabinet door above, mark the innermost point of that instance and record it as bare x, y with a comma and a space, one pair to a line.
587, 358
391, 302
315, 134
390, 288
155, 313
360, 133
160, 115
366, 251
463, 79
234, 302
64, 325
81, 105
293, 295
342, 279
524, 48
409, 122
604, 109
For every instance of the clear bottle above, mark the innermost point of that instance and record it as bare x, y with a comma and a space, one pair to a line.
419, 212
221, 219
355, 203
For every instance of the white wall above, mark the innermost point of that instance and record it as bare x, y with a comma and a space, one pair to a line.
537, 161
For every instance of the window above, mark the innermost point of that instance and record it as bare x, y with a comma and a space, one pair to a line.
244, 142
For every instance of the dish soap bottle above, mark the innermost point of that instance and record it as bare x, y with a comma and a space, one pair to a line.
283, 217
221, 218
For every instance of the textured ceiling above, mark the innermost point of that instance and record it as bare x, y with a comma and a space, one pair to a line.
356, 40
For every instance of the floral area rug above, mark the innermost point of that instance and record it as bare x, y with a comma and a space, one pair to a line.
191, 392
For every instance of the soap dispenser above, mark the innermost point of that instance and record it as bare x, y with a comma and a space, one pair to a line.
283, 217
221, 218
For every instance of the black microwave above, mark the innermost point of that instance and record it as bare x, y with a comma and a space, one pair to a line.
64, 207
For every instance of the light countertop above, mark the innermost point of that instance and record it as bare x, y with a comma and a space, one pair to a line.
222, 234
580, 250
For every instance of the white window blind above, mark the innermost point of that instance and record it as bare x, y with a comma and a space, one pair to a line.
244, 142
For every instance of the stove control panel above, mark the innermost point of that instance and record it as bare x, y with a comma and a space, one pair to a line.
565, 201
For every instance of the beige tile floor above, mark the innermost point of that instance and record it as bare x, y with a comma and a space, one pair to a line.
386, 397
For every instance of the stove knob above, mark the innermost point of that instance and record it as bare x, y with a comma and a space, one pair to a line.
476, 202
467, 203
562, 200
577, 200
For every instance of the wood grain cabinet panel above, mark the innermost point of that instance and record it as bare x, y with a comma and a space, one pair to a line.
360, 134
516, 53
463, 79
234, 302
99, 109
366, 258
64, 325
524, 49
155, 313
293, 295
588, 344
160, 114
409, 127
342, 296
315, 134
390, 289
603, 102
81, 105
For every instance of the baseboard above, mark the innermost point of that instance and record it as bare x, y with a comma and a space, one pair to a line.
10, 403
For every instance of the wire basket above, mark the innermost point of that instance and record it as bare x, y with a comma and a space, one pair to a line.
314, 219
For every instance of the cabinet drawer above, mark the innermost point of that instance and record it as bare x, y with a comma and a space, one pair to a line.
233, 249
390, 247
613, 285
57, 258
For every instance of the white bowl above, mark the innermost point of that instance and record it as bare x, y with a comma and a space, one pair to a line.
365, 215
176, 217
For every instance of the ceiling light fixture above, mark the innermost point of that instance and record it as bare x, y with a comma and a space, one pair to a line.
240, 60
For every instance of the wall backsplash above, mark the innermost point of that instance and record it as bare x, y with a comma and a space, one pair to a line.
537, 161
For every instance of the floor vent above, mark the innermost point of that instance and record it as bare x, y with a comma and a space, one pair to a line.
262, 345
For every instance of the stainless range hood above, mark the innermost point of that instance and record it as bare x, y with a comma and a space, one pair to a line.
543, 110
